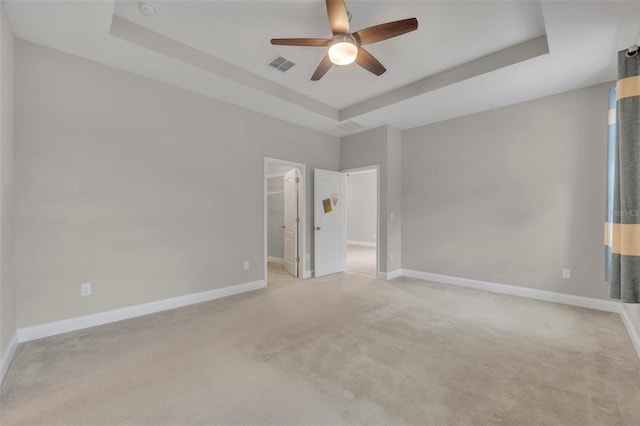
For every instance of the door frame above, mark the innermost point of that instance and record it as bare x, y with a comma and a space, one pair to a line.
365, 169
303, 267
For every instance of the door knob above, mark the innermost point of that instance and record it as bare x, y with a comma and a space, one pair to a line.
317, 228
283, 227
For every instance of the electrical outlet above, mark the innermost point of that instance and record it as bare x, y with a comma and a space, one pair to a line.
391, 257
85, 289
566, 273
246, 265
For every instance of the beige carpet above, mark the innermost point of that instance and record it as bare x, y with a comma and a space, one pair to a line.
343, 349
361, 260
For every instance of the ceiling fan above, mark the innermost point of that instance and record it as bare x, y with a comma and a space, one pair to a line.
346, 47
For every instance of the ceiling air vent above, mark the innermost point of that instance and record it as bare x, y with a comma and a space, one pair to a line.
281, 64
351, 126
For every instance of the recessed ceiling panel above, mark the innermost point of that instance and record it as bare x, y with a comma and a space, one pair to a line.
230, 40
450, 33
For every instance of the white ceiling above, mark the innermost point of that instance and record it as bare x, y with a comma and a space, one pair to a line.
249, 26
221, 49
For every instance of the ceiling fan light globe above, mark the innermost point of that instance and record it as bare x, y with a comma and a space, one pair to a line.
343, 53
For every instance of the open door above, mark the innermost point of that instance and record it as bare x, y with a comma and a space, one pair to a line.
330, 222
291, 221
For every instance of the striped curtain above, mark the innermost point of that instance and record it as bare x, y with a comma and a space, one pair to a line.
622, 227
611, 175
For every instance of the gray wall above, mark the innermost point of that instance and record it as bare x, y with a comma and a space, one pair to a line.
393, 213
362, 205
381, 146
145, 190
7, 138
150, 192
511, 195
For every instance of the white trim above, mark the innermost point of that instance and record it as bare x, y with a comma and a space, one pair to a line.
7, 356
394, 274
360, 170
363, 169
78, 323
634, 334
387, 276
275, 259
530, 293
362, 243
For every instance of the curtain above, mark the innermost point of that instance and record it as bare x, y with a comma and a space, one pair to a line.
611, 170
622, 228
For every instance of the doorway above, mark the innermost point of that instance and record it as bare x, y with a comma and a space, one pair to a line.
284, 221
362, 195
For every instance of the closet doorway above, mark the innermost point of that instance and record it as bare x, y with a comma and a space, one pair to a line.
284, 217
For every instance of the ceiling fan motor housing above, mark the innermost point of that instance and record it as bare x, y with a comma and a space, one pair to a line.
343, 49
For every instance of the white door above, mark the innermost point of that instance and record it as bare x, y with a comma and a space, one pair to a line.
330, 222
291, 220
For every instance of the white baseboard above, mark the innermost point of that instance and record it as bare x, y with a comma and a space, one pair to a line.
72, 324
7, 356
386, 276
530, 293
634, 334
362, 243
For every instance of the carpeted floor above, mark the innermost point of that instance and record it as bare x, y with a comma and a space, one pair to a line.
343, 349
361, 260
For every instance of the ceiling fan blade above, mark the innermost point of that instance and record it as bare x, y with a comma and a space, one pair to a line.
322, 68
300, 41
338, 17
367, 61
385, 31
